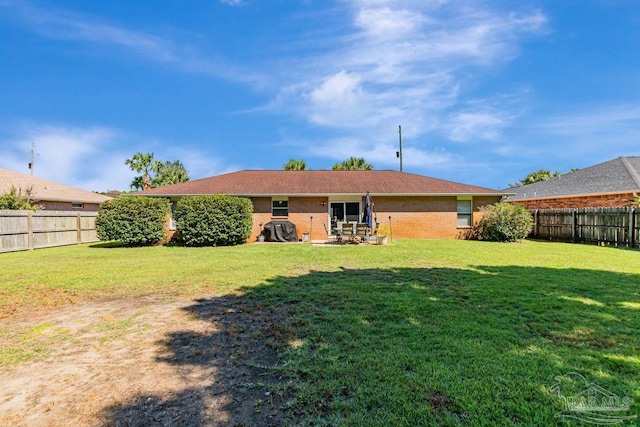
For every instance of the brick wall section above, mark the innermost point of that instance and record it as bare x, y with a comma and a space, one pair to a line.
301, 209
261, 215
424, 217
66, 206
603, 201
418, 217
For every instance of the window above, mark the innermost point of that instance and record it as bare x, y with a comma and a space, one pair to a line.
77, 205
345, 211
465, 213
279, 207
353, 211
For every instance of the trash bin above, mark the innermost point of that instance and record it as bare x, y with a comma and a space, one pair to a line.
306, 237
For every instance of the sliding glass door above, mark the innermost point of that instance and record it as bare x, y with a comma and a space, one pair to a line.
340, 212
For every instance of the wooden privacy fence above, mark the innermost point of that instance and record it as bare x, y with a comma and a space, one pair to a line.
24, 230
602, 226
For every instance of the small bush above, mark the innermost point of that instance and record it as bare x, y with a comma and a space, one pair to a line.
504, 222
16, 200
214, 220
134, 221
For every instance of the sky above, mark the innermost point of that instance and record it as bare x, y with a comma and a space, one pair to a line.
485, 91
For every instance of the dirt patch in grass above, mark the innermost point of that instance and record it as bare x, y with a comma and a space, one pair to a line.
145, 362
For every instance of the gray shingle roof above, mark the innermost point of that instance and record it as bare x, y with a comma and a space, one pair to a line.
621, 175
318, 182
42, 189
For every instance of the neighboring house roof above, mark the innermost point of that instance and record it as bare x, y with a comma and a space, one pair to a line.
621, 175
44, 190
319, 182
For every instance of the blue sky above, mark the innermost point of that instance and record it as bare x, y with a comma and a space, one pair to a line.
486, 91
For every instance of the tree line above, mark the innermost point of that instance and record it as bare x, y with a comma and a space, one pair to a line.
351, 164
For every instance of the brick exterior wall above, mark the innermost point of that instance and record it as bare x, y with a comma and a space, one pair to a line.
301, 209
423, 217
67, 206
601, 201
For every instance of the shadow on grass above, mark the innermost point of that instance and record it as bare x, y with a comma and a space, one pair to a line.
107, 245
435, 346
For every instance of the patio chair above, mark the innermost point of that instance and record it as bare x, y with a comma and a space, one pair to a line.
335, 238
362, 232
347, 231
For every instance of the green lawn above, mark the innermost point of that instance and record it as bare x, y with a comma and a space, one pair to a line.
415, 333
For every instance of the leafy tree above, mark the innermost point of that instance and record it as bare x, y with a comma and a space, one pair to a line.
141, 163
168, 173
113, 193
504, 222
295, 165
537, 176
353, 164
15, 200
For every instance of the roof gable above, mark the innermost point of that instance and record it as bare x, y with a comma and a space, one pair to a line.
621, 175
44, 190
317, 182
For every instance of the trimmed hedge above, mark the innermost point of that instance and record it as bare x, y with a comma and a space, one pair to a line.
504, 222
214, 220
134, 221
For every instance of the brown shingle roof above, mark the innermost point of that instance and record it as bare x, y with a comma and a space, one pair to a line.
44, 190
320, 182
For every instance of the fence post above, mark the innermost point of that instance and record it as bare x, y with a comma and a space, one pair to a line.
79, 227
574, 229
535, 223
632, 228
29, 230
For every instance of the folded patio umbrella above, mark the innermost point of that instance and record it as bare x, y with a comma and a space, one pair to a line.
366, 214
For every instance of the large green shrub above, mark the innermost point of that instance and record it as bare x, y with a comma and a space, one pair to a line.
504, 222
214, 220
134, 221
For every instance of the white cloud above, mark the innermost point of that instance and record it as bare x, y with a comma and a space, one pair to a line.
390, 62
407, 62
387, 23
93, 158
595, 132
233, 2
80, 157
470, 126
338, 101
72, 26
611, 119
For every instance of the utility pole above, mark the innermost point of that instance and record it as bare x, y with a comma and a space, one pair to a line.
399, 153
33, 146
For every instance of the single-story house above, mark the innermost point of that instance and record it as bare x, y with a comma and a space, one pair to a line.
610, 184
413, 206
51, 195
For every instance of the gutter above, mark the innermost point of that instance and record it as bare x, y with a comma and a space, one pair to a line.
497, 194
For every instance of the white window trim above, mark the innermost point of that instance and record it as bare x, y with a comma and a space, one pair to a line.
279, 199
468, 214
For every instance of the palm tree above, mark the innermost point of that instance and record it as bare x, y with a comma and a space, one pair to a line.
295, 165
141, 163
353, 164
